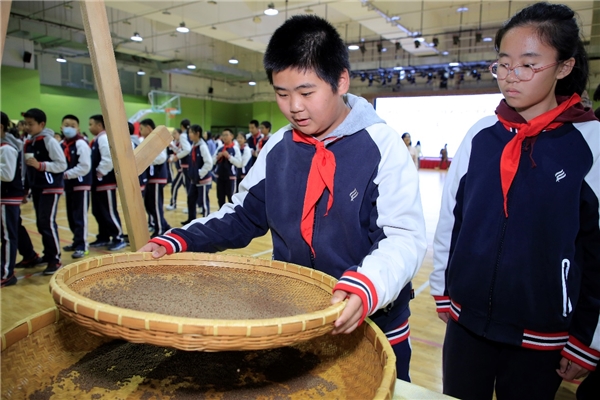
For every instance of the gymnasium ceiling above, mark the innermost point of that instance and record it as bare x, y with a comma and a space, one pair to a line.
222, 29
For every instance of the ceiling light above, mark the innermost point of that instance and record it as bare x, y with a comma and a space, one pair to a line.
141, 72
398, 68
233, 60
487, 39
252, 83
394, 18
453, 64
271, 10
191, 66
462, 9
136, 37
353, 47
182, 28
445, 53
61, 59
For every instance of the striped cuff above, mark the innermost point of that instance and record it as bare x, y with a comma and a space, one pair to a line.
171, 242
581, 354
358, 284
399, 334
42, 167
442, 303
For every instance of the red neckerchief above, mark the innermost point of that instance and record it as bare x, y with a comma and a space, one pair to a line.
194, 154
568, 110
320, 176
225, 147
68, 143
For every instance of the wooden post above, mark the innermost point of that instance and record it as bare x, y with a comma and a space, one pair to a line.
4, 15
95, 22
150, 147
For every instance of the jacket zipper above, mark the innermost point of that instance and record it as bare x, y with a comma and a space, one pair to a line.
567, 308
491, 292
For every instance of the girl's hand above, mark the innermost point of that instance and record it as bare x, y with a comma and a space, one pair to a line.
348, 321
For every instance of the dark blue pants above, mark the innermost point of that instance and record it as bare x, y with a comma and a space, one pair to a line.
198, 194
77, 213
25, 246
225, 190
9, 227
180, 179
153, 201
45, 206
104, 209
589, 389
474, 366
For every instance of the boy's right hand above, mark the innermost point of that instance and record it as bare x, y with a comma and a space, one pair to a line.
156, 249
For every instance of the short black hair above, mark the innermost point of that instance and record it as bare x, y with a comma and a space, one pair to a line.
131, 128
71, 116
266, 124
4, 120
148, 122
307, 43
254, 122
196, 128
185, 123
38, 115
228, 130
99, 119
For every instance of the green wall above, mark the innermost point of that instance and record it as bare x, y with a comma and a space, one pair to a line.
20, 90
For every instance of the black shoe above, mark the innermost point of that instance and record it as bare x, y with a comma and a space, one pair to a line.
69, 247
52, 268
99, 243
117, 245
10, 282
31, 263
79, 253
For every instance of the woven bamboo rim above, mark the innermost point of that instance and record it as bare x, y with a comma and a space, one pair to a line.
192, 334
31, 355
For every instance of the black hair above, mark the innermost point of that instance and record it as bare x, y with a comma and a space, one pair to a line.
597, 113
196, 128
99, 119
228, 130
307, 43
209, 135
557, 27
266, 124
185, 123
4, 120
178, 130
38, 115
148, 122
131, 128
254, 122
71, 116
404, 135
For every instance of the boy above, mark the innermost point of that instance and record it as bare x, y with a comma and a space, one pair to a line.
181, 147
46, 163
10, 200
368, 231
226, 160
104, 189
78, 183
253, 138
201, 163
265, 130
246, 156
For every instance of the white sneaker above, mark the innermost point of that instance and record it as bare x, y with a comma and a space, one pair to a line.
170, 207
184, 210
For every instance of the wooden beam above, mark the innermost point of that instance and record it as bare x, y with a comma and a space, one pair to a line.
146, 152
4, 14
97, 32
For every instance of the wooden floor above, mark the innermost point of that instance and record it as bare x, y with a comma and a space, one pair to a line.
31, 294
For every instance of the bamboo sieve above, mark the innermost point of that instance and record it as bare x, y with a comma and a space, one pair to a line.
197, 301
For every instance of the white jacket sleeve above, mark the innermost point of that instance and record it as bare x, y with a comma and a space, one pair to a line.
161, 158
8, 163
186, 147
236, 158
106, 164
57, 155
84, 163
208, 160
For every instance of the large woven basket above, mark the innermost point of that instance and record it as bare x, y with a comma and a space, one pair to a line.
50, 357
196, 301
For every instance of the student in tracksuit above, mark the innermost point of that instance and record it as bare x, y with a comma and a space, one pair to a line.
201, 163
517, 248
368, 229
78, 183
253, 139
246, 152
226, 160
10, 200
104, 190
181, 147
45, 170
157, 179
135, 142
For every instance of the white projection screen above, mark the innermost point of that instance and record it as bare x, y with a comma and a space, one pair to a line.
436, 120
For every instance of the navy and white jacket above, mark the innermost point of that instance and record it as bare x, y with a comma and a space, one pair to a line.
11, 171
143, 177
49, 178
201, 163
102, 162
531, 278
246, 153
182, 148
158, 170
78, 175
372, 239
227, 168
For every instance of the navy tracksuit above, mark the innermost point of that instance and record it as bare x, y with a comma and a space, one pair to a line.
199, 185
10, 201
153, 197
226, 176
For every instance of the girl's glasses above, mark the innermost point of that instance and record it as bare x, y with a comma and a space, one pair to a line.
521, 72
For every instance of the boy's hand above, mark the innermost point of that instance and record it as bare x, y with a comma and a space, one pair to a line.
157, 250
32, 162
348, 321
569, 370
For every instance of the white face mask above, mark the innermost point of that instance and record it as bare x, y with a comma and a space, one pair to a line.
69, 132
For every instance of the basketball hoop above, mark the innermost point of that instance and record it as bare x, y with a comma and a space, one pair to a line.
170, 112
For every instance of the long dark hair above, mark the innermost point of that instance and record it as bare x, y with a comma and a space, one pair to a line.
557, 27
